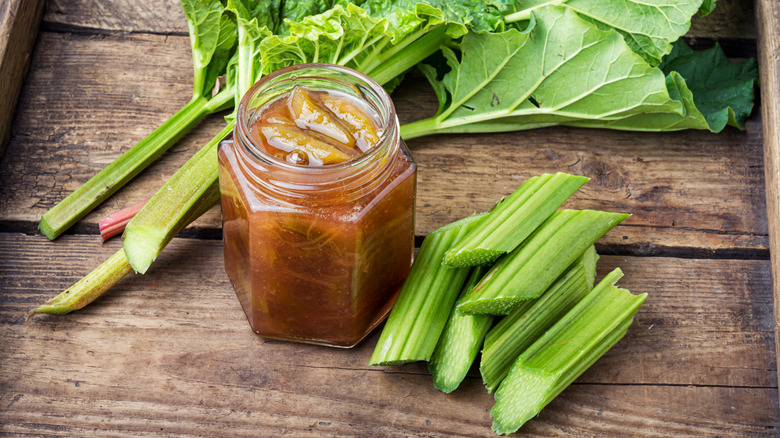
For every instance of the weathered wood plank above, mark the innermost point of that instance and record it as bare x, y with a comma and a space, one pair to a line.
699, 359
197, 407
19, 22
768, 20
690, 190
141, 16
76, 119
731, 18
714, 314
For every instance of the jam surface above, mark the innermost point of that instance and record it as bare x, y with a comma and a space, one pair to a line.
316, 128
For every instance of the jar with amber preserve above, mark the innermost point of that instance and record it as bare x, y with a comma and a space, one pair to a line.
318, 194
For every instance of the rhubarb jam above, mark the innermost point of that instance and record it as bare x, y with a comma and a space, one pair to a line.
318, 194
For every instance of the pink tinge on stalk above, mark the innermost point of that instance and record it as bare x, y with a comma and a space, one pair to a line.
115, 223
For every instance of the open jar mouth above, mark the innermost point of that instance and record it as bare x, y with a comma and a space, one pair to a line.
319, 76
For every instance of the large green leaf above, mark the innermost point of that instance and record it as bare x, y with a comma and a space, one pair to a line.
565, 71
722, 90
224, 50
562, 69
714, 92
648, 26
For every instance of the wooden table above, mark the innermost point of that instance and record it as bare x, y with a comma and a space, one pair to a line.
171, 353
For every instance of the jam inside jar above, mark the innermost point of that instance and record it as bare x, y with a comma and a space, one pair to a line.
318, 194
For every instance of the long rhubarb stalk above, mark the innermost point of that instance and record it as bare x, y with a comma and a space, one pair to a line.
97, 282
76, 205
160, 219
212, 40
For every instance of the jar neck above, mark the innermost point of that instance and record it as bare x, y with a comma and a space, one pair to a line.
346, 181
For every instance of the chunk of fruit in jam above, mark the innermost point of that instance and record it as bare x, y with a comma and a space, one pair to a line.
298, 146
309, 115
316, 128
364, 126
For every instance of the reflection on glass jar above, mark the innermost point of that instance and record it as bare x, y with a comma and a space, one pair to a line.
317, 250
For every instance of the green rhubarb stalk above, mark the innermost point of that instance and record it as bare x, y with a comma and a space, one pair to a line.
116, 267
459, 342
395, 65
212, 39
564, 352
79, 203
532, 267
89, 288
514, 219
424, 303
524, 325
160, 219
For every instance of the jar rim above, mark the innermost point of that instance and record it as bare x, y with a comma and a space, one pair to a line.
390, 123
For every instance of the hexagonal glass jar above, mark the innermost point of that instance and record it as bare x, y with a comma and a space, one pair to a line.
317, 254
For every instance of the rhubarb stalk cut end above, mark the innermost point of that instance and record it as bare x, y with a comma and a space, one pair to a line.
141, 246
46, 229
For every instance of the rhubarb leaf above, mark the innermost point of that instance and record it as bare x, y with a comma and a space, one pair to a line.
372, 40
564, 352
722, 90
561, 70
648, 27
253, 26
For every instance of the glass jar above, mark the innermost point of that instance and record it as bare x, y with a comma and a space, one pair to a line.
317, 254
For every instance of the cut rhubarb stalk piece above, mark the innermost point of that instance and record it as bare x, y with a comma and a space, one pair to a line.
524, 325
514, 219
532, 267
564, 352
426, 299
460, 342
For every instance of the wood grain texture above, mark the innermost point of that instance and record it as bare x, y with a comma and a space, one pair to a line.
730, 19
768, 23
172, 350
689, 190
19, 20
137, 16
